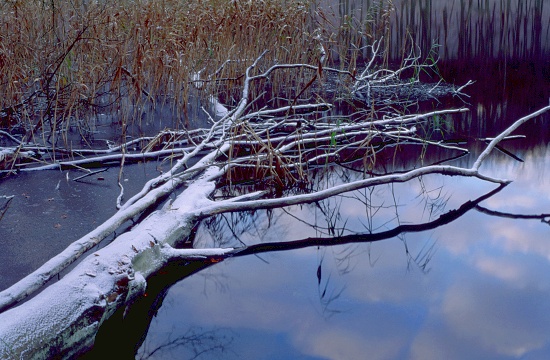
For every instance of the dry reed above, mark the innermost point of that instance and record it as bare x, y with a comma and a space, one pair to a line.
64, 62
71, 66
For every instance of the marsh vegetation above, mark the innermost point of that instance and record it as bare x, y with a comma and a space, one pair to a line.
251, 105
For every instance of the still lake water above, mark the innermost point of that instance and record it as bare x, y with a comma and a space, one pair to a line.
476, 288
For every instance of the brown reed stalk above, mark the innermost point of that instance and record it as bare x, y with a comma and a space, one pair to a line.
62, 58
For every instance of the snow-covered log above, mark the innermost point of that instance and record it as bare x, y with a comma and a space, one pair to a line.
63, 318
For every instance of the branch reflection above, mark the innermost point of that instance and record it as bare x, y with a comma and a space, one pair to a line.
443, 219
545, 218
132, 323
195, 342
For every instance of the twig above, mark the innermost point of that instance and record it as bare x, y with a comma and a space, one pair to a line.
90, 174
5, 206
120, 173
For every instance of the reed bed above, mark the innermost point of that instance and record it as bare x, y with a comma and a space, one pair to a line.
64, 62
64, 65
68, 66
349, 27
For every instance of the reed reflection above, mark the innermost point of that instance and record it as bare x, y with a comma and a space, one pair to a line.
495, 29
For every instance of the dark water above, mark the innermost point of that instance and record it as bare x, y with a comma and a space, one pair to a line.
49, 208
476, 288
49, 211
475, 29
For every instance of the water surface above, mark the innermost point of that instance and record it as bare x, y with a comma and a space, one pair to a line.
475, 288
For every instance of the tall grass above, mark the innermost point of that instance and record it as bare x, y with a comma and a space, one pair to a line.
64, 62
351, 26
64, 65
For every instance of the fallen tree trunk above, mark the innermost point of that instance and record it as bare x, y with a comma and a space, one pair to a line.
62, 320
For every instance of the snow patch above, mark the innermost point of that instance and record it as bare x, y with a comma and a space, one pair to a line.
217, 107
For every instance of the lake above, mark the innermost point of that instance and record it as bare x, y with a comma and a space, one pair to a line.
473, 288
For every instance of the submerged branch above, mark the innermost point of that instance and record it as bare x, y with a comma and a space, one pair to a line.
116, 274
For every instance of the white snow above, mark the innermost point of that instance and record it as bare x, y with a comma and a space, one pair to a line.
95, 282
219, 109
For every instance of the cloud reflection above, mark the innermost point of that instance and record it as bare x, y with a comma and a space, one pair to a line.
485, 296
497, 317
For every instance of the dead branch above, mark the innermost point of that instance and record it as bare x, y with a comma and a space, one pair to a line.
116, 274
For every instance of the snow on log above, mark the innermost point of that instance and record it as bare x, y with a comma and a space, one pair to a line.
63, 319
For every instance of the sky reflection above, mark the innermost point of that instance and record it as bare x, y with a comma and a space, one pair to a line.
476, 288
482, 294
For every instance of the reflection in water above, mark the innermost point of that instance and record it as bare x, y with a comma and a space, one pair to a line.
503, 92
484, 295
476, 288
178, 340
193, 343
132, 323
485, 30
